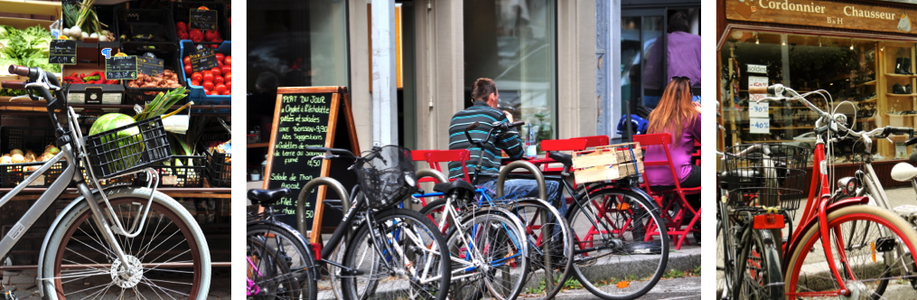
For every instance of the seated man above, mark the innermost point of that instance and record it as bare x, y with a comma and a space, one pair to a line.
486, 98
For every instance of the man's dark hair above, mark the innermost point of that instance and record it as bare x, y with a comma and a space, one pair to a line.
267, 82
678, 22
482, 88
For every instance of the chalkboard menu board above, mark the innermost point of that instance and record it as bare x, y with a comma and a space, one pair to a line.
121, 67
203, 59
150, 66
306, 117
62, 52
203, 19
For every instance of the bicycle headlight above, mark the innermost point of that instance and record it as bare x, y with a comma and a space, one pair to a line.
410, 180
849, 185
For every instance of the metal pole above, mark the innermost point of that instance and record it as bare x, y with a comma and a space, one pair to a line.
385, 104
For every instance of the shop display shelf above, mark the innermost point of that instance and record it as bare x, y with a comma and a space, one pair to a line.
198, 95
181, 13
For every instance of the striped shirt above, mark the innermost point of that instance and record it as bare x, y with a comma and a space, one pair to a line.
508, 141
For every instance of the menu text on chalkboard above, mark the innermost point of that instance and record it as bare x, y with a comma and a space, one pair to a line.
203, 59
203, 19
150, 66
303, 122
62, 52
121, 67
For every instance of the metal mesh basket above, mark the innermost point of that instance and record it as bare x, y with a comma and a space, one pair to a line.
388, 177
765, 175
128, 148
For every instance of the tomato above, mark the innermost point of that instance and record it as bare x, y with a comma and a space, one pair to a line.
227, 93
208, 76
225, 70
216, 72
228, 85
217, 79
187, 60
220, 57
228, 60
214, 93
228, 77
219, 88
208, 85
196, 76
188, 69
219, 63
195, 83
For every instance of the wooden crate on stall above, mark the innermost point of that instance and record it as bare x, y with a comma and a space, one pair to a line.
610, 162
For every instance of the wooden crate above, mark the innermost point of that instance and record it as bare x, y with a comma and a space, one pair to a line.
610, 162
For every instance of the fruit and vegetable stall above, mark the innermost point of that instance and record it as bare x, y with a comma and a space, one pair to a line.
123, 63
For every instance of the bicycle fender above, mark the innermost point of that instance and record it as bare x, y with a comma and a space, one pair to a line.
831, 207
295, 233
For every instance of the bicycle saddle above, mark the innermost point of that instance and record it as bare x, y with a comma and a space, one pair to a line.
904, 172
446, 187
267, 197
564, 158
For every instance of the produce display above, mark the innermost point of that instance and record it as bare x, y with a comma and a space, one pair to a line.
16, 156
196, 35
216, 81
167, 79
29, 47
82, 22
91, 78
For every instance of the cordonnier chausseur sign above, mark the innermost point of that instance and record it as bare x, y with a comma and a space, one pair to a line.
821, 13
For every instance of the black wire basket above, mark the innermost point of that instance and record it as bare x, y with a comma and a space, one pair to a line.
771, 175
387, 177
128, 149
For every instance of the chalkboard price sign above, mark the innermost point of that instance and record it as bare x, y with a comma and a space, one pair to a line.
150, 66
203, 19
203, 59
62, 52
121, 67
307, 117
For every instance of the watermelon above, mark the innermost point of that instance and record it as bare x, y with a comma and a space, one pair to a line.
121, 146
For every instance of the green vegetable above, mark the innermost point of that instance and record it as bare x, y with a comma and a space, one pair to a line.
27, 47
162, 103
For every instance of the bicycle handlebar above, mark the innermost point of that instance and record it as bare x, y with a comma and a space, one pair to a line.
13, 84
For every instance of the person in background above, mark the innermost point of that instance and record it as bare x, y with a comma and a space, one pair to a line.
682, 59
484, 110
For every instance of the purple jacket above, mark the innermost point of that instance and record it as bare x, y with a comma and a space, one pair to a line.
681, 157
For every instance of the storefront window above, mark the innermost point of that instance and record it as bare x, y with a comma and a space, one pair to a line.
514, 43
874, 75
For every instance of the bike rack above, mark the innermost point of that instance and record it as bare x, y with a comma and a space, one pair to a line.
319, 208
521, 164
439, 176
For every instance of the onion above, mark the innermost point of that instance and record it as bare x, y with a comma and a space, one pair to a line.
16, 151
76, 31
103, 38
94, 35
6, 159
66, 31
17, 158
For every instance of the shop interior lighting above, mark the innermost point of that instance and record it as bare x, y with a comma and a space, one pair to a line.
851, 44
757, 40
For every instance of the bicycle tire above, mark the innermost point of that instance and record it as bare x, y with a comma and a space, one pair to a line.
500, 248
882, 222
560, 241
725, 249
75, 232
292, 248
761, 277
362, 246
611, 238
270, 274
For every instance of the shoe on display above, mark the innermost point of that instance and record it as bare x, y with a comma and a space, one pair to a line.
906, 66
898, 65
898, 89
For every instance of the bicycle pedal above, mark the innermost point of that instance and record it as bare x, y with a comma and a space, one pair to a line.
885, 244
8, 295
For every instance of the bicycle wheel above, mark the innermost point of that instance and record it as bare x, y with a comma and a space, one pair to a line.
725, 251
268, 276
396, 256
548, 232
291, 248
488, 255
612, 243
869, 237
169, 258
761, 277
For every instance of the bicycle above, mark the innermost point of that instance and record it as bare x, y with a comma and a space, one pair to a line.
144, 237
548, 254
268, 276
394, 253
836, 229
282, 242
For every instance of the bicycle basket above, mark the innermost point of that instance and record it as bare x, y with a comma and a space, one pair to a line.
128, 148
754, 178
388, 177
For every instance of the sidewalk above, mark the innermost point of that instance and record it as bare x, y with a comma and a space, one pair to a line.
22, 284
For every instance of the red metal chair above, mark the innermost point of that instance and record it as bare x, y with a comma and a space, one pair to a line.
434, 158
675, 219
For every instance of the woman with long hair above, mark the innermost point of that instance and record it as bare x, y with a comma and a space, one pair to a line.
677, 115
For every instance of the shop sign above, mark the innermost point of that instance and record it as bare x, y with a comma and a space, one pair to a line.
822, 13
761, 69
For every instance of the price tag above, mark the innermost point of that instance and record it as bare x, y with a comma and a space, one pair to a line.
203, 59
758, 110
150, 66
203, 19
121, 67
760, 125
62, 52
